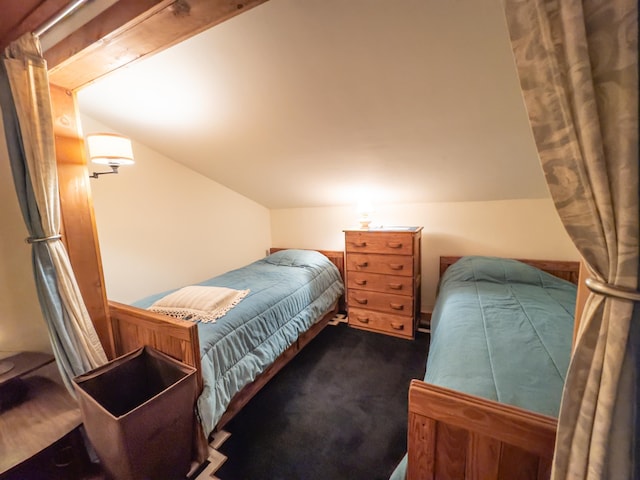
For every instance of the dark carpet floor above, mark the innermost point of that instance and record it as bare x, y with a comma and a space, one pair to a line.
337, 411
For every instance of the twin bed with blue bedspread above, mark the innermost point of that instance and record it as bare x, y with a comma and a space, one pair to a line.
501, 334
289, 291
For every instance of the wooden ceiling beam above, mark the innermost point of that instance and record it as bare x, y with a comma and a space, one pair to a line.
131, 30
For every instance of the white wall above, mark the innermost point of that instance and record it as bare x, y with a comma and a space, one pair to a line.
510, 228
22, 326
162, 225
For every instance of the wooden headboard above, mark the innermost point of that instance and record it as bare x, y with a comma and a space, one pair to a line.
566, 270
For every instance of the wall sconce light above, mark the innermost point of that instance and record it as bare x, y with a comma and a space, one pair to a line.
109, 149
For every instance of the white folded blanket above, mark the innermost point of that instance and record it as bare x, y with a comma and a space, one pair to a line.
199, 303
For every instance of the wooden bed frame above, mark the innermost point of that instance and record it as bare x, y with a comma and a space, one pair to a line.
455, 435
135, 327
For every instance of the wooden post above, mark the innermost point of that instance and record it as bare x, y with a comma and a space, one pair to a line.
78, 221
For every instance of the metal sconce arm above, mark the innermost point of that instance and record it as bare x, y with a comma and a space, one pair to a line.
114, 169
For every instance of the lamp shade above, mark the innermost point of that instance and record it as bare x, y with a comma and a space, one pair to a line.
109, 149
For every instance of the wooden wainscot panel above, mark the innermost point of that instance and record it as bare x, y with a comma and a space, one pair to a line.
516, 463
482, 452
544, 468
451, 453
422, 442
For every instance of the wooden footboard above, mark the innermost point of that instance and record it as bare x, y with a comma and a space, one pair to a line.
134, 327
453, 435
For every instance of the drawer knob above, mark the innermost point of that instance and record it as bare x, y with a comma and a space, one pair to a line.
361, 301
361, 282
363, 319
397, 326
363, 264
396, 306
394, 245
396, 266
360, 244
395, 286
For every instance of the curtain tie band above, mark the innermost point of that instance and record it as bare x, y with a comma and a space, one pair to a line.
608, 290
43, 239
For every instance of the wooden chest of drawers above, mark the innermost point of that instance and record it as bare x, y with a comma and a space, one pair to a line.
383, 279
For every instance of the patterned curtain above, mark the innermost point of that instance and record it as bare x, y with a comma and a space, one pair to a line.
28, 122
578, 68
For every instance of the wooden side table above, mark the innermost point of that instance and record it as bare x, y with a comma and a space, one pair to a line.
46, 414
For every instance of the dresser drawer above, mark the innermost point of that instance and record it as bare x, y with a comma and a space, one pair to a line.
379, 242
385, 264
382, 322
383, 302
380, 283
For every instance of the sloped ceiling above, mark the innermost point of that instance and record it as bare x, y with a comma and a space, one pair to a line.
311, 103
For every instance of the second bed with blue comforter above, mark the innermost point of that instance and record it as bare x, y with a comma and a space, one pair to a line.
289, 291
501, 330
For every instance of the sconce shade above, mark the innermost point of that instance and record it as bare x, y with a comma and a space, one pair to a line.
110, 149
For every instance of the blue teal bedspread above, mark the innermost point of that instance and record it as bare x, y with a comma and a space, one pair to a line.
289, 290
501, 330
